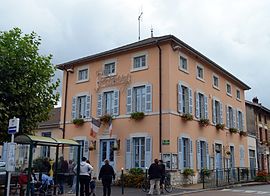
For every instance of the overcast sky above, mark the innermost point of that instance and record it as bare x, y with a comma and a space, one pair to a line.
233, 33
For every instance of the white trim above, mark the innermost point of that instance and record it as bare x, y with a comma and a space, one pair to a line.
228, 83
80, 68
82, 94
197, 77
80, 138
139, 134
218, 142
143, 53
179, 63
213, 84
108, 62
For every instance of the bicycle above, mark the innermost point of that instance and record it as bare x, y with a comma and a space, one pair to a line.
145, 186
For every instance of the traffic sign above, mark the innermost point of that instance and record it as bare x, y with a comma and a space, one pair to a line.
13, 125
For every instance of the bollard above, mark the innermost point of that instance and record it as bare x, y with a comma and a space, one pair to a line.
202, 172
122, 180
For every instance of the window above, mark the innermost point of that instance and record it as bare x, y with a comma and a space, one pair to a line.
238, 96
217, 112
138, 152
184, 99
139, 99
240, 119
109, 69
83, 75
230, 117
231, 159
139, 62
201, 106
185, 157
200, 72
229, 89
108, 103
266, 135
81, 106
202, 155
183, 63
45, 150
260, 117
215, 81
261, 134
265, 120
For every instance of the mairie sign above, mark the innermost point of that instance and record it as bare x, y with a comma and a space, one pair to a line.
13, 125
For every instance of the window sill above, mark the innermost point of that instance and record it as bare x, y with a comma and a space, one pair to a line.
183, 70
82, 81
215, 87
230, 95
139, 69
109, 75
201, 79
238, 99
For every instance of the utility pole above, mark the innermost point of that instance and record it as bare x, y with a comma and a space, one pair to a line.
139, 22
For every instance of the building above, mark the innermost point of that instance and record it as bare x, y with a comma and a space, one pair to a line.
194, 110
257, 125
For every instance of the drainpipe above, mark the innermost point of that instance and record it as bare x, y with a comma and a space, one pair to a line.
160, 99
65, 106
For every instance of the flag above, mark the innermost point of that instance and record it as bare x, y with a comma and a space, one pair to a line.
95, 125
110, 127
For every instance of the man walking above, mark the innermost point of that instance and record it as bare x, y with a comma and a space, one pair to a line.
163, 171
154, 177
106, 174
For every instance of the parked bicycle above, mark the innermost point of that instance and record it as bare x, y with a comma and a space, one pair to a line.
167, 184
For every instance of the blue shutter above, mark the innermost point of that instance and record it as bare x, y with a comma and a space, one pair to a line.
128, 154
205, 107
129, 100
237, 120
74, 108
234, 117
99, 104
148, 100
214, 111
207, 156
197, 105
116, 103
198, 155
88, 107
148, 151
180, 154
227, 117
180, 98
86, 149
221, 113
242, 156
191, 154
190, 100
243, 124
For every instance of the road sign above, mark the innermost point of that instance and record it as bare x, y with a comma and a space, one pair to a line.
10, 163
13, 125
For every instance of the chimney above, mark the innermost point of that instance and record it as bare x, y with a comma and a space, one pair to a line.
255, 100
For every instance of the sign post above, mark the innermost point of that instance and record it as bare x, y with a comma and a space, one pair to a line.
13, 127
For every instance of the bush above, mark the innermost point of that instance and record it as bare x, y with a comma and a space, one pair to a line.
137, 115
205, 172
136, 171
262, 176
188, 172
134, 178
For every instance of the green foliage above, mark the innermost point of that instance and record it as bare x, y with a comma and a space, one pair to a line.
27, 90
220, 126
106, 118
137, 115
204, 122
78, 121
262, 176
188, 172
233, 130
187, 117
205, 172
136, 171
134, 178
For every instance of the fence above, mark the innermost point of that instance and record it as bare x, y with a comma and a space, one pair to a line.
223, 177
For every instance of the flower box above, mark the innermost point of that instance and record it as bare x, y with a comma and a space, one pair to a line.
137, 115
233, 130
204, 122
78, 122
243, 133
105, 119
187, 117
220, 126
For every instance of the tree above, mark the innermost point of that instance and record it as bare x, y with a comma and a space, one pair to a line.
26, 87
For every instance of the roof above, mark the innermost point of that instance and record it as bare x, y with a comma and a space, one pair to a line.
258, 105
54, 120
151, 42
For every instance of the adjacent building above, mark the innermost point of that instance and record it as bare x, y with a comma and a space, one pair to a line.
194, 110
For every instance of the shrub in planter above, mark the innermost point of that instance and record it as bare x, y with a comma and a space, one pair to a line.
78, 121
262, 176
243, 133
134, 178
205, 172
233, 130
204, 122
187, 117
137, 115
188, 172
106, 118
220, 126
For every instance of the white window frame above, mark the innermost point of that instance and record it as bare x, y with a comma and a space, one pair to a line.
213, 80
82, 68
197, 72
88, 105
238, 98
240, 121
219, 116
180, 65
198, 107
115, 102
138, 55
79, 107
230, 122
110, 62
228, 93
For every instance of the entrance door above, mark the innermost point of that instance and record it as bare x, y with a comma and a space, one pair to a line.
106, 150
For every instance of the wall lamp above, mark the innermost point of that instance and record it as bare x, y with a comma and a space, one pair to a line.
93, 145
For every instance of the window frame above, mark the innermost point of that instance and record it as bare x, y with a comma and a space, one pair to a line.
213, 81
109, 62
218, 117
180, 67
228, 93
197, 72
83, 68
238, 98
133, 69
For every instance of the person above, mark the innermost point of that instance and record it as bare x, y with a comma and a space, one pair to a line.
46, 165
107, 175
93, 186
162, 180
22, 180
33, 182
71, 166
85, 173
62, 168
154, 177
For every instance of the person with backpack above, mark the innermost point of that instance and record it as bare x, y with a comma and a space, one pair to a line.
106, 174
154, 177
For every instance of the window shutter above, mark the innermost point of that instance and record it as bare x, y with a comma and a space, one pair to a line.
129, 100
227, 117
128, 153
74, 109
88, 107
214, 111
197, 105
190, 100
198, 155
207, 156
190, 154
205, 107
99, 104
237, 119
180, 98
180, 154
234, 117
243, 124
221, 113
148, 151
71, 152
86, 149
116, 103
242, 156
148, 100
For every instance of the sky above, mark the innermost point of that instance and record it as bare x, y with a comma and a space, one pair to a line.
233, 33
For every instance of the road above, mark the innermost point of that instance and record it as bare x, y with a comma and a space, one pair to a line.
238, 191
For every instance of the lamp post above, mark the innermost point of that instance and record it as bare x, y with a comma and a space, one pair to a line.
122, 180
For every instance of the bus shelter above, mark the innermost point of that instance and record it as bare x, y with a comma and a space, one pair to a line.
34, 141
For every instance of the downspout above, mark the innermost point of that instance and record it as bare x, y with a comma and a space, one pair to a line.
65, 106
160, 99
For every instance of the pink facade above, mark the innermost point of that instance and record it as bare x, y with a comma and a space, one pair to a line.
127, 79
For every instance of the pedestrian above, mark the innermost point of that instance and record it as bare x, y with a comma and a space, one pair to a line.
85, 176
93, 186
154, 177
61, 169
106, 174
162, 180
